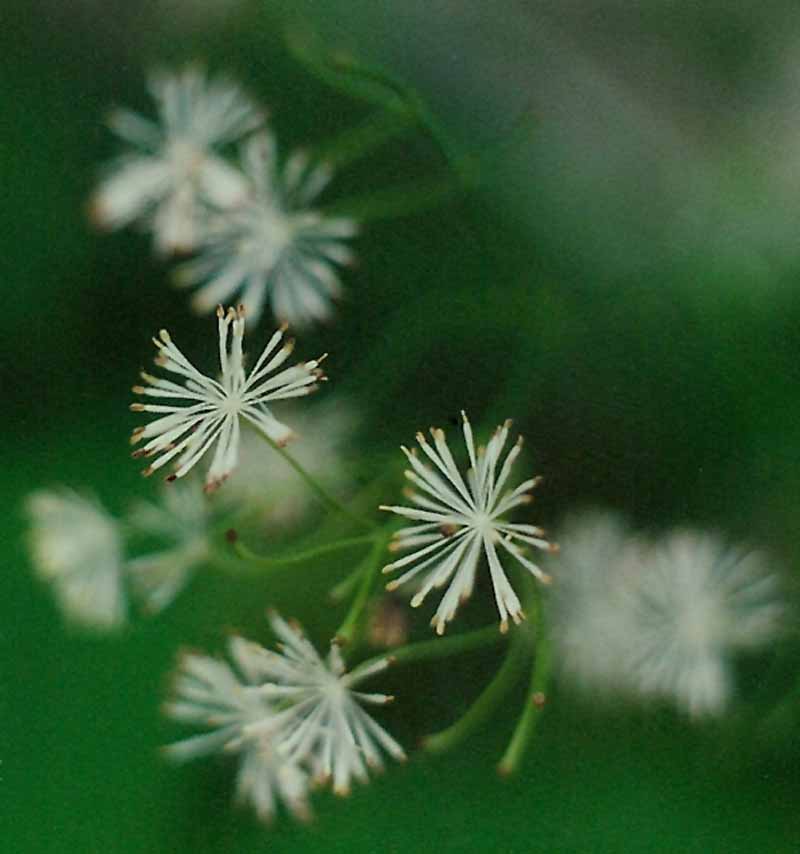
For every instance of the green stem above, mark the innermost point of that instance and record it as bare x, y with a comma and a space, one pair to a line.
488, 701
439, 648
300, 557
359, 141
534, 705
397, 201
339, 592
348, 633
322, 494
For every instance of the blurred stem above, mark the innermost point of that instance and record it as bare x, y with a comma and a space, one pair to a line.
397, 201
361, 140
348, 634
536, 696
299, 557
487, 702
322, 494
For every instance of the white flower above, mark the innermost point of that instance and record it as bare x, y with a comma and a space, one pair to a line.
273, 248
462, 518
591, 618
696, 603
209, 410
265, 480
77, 548
658, 620
174, 168
320, 720
180, 519
210, 693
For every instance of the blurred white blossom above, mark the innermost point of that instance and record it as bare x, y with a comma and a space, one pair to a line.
287, 714
179, 520
174, 168
76, 547
210, 693
266, 482
273, 248
659, 620
462, 519
209, 410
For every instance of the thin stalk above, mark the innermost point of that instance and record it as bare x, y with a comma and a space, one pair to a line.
397, 201
361, 140
441, 647
340, 592
322, 494
348, 633
487, 702
534, 705
300, 557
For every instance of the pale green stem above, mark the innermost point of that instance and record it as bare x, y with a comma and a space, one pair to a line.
340, 591
300, 557
322, 494
534, 705
349, 631
359, 141
439, 648
397, 201
487, 702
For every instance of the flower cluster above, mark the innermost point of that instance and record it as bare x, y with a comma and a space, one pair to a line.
660, 620
291, 717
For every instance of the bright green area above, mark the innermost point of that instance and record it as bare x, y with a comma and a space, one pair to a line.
670, 391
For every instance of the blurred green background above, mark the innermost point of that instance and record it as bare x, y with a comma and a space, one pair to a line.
623, 283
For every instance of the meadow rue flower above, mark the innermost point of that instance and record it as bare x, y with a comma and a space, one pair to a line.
321, 722
209, 410
462, 518
273, 247
77, 548
174, 168
212, 694
180, 520
592, 623
696, 602
266, 482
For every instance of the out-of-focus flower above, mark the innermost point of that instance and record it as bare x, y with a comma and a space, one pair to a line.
659, 620
461, 519
180, 520
76, 547
320, 720
210, 693
174, 169
697, 602
209, 410
274, 247
266, 482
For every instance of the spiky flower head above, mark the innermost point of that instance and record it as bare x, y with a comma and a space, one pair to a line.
208, 411
174, 169
273, 248
462, 518
76, 547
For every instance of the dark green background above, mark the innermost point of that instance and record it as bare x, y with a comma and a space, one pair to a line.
653, 368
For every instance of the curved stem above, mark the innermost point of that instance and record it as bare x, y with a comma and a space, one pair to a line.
300, 557
322, 494
359, 141
488, 701
348, 633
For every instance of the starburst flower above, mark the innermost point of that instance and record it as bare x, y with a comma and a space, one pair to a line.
209, 410
274, 247
77, 548
461, 519
180, 521
212, 694
697, 602
175, 168
320, 718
